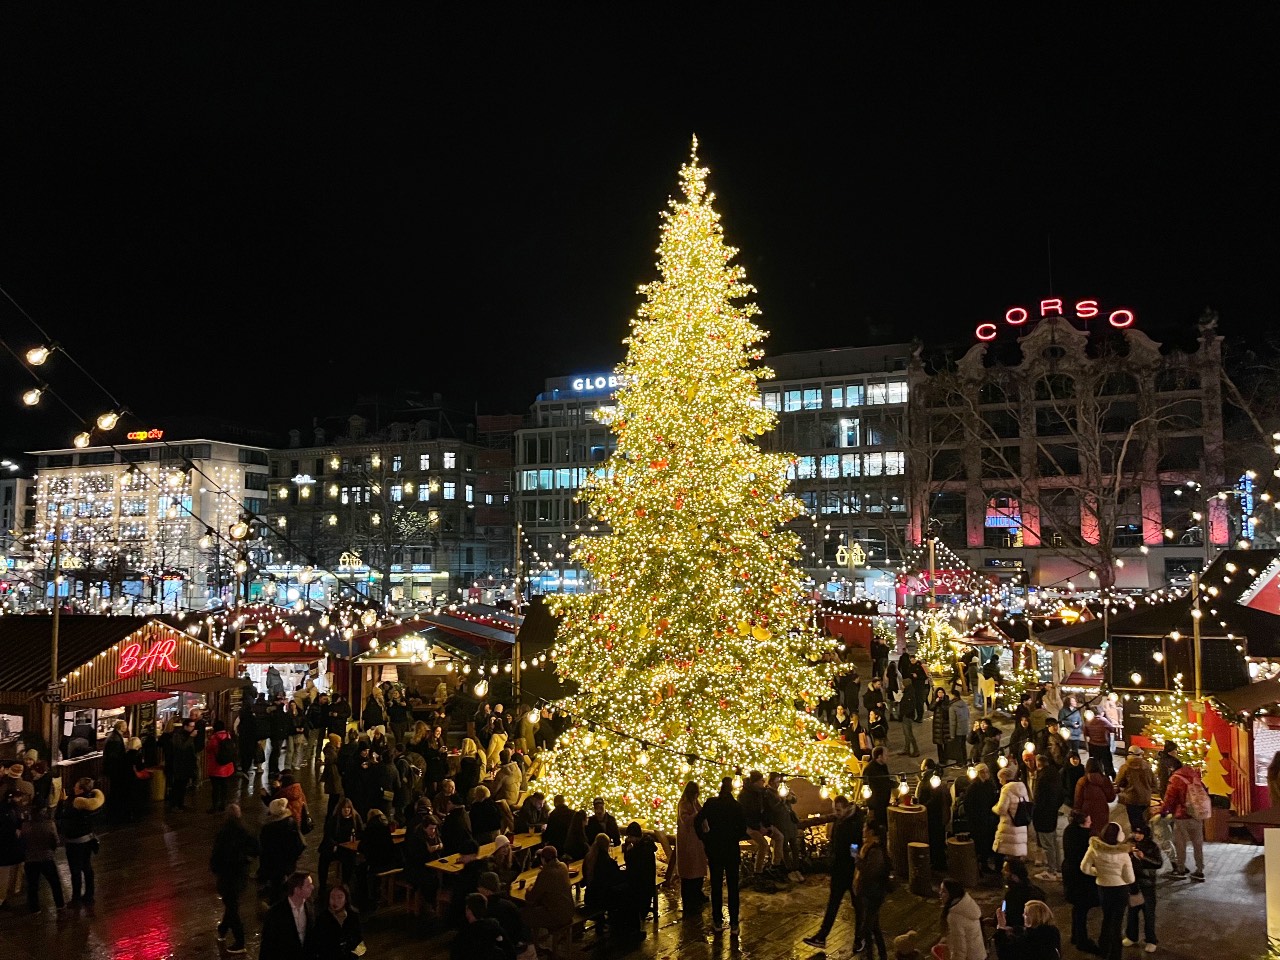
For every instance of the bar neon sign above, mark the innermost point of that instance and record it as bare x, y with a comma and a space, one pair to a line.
1054, 307
158, 657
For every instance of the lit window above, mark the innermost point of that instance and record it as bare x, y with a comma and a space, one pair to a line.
450, 489
488, 499
450, 461
397, 493
851, 464
807, 468
812, 399
396, 463
854, 395
424, 492
792, 400
772, 400
830, 466
897, 391
877, 393
469, 493
424, 461
850, 432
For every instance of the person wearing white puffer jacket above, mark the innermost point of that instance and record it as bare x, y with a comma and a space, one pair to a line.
1108, 860
1011, 839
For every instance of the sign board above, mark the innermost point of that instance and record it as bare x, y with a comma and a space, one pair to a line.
1137, 715
52, 693
1003, 563
1085, 310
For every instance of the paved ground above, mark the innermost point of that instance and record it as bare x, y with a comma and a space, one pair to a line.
156, 900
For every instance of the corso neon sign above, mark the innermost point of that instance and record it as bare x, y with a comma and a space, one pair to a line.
1053, 307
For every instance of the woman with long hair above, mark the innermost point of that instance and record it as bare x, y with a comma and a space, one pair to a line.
338, 926
691, 855
343, 833
963, 922
1109, 862
602, 875
1037, 939
470, 768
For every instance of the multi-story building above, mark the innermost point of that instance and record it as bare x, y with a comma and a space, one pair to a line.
145, 523
1079, 453
404, 513
17, 518
842, 412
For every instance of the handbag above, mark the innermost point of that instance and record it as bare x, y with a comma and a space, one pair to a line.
307, 823
1136, 899
1023, 813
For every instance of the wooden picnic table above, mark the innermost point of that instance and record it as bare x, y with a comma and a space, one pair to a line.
523, 883
453, 863
397, 836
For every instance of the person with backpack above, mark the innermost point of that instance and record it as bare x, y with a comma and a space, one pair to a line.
220, 764
1014, 808
1187, 802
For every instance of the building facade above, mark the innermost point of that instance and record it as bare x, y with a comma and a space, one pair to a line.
1072, 455
841, 412
144, 526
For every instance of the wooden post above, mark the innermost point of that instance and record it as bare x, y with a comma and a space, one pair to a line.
919, 869
905, 825
962, 860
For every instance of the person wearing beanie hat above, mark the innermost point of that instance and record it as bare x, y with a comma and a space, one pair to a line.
281, 844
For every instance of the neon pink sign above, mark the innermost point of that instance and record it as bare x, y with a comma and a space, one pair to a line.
1054, 307
158, 657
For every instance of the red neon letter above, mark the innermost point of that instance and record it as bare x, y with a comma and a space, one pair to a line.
160, 655
1086, 309
986, 331
1054, 305
1120, 318
1015, 316
128, 660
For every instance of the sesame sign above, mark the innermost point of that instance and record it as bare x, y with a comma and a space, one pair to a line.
159, 656
1087, 310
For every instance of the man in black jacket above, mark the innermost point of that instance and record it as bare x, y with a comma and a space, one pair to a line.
233, 847
480, 936
724, 825
846, 834
762, 833
601, 821
288, 929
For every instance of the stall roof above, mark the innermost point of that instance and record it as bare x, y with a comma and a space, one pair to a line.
1226, 581
1251, 696
27, 643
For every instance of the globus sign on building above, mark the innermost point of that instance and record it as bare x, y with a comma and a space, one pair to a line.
1054, 307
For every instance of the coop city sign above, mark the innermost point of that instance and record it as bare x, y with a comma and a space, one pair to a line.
1054, 307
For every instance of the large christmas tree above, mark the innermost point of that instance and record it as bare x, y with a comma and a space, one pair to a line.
690, 658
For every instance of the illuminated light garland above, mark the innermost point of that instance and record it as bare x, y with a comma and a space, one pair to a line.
699, 638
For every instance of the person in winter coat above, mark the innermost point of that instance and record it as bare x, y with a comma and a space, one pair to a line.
1186, 826
220, 774
374, 714
722, 824
1136, 784
870, 887
470, 767
549, 901
958, 721
75, 822
281, 845
233, 847
13, 806
118, 776
138, 796
1147, 861
338, 928
1038, 939
342, 833
691, 855
1167, 763
249, 731
1010, 839
1109, 862
39, 841
1071, 719
1048, 798
979, 799
941, 730
984, 743
331, 775
1094, 794
1079, 888
180, 764
963, 921
845, 837
937, 807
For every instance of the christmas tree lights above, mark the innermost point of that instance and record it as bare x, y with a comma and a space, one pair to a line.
1178, 726
690, 658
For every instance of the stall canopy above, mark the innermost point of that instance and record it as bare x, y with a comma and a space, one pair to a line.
107, 660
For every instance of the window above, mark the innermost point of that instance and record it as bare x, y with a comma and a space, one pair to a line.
791, 401
875, 464
451, 489
397, 493
488, 499
830, 466
424, 492
851, 464
396, 463
877, 393
469, 494
806, 469
897, 391
836, 397
895, 464
424, 461
451, 461
812, 399
850, 432
470, 554
855, 395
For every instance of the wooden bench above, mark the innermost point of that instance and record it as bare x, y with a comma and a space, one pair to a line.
387, 886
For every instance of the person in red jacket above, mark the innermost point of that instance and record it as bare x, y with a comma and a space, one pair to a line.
1186, 825
219, 774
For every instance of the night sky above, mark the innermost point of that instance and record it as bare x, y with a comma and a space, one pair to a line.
263, 215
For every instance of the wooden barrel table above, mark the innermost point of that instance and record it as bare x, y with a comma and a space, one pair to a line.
962, 859
906, 824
